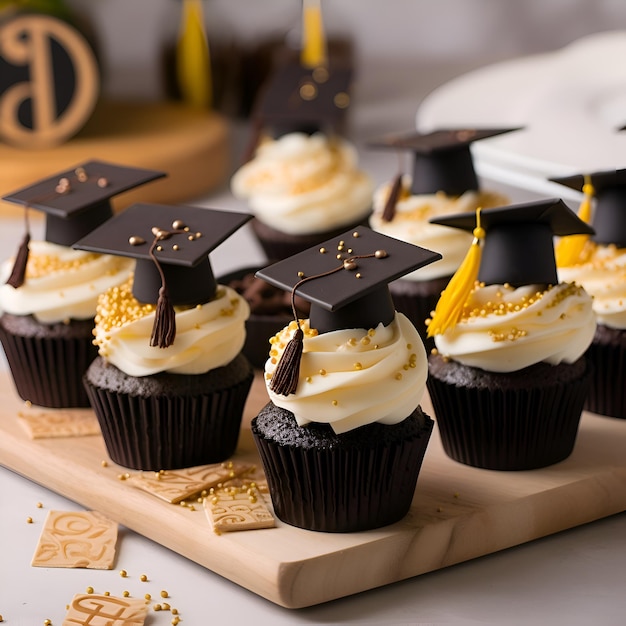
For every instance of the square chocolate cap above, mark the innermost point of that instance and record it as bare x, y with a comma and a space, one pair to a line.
343, 295
442, 158
189, 235
609, 190
302, 99
518, 247
77, 200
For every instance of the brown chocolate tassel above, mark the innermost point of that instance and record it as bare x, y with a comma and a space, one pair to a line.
389, 212
164, 327
16, 279
285, 379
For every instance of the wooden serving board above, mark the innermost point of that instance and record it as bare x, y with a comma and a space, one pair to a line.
191, 145
458, 513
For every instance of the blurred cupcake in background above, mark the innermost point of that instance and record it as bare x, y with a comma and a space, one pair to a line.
443, 182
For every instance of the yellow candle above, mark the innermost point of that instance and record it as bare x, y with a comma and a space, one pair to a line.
313, 39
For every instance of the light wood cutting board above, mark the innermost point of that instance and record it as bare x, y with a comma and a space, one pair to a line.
458, 513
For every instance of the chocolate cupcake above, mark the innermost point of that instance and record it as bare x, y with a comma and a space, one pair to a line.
270, 311
170, 382
598, 265
343, 438
509, 379
49, 298
443, 182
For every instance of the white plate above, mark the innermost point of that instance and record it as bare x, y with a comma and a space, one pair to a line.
571, 104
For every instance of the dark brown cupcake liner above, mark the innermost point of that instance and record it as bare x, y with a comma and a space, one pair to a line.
278, 245
158, 432
510, 426
417, 299
48, 371
344, 489
607, 391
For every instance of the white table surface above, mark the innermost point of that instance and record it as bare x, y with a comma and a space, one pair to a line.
575, 577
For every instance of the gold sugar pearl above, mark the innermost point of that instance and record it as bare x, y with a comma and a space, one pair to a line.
178, 225
334, 402
175, 247
164, 594
358, 366
148, 597
157, 607
143, 578
106, 593
355, 234
81, 175
322, 372
47, 622
29, 520
104, 463
349, 265
159, 248
123, 573
102, 182
323, 250
380, 254
190, 237
198, 235
39, 505
89, 590
135, 240
126, 593
300, 274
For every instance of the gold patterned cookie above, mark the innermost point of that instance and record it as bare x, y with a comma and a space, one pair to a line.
76, 539
174, 486
232, 509
97, 610
41, 422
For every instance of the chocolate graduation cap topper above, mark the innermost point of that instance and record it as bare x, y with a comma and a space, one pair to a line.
77, 200
304, 99
171, 245
608, 189
518, 243
442, 158
345, 279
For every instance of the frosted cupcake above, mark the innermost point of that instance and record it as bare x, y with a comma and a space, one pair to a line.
509, 379
302, 190
48, 301
343, 437
170, 382
443, 182
599, 265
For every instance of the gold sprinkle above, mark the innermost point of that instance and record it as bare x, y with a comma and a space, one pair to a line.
358, 366
300, 274
339, 257
123, 573
198, 235
29, 520
175, 247
148, 596
166, 606
143, 578
190, 237
380, 254
178, 225
81, 175
89, 590
322, 372
157, 607
175, 621
355, 234
309, 379
398, 376
164, 594
365, 341
126, 593
107, 593
104, 463
135, 240
39, 505
349, 265
47, 622
308, 91
342, 100
323, 250
102, 182
357, 275
334, 403
159, 248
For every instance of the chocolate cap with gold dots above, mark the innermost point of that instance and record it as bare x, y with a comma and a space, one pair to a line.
345, 278
442, 159
518, 246
609, 193
176, 240
301, 99
77, 200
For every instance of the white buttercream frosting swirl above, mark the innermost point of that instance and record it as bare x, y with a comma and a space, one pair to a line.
208, 336
603, 275
301, 184
61, 283
505, 329
411, 223
350, 378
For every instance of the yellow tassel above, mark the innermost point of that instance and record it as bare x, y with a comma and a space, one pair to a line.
570, 250
313, 40
454, 297
193, 62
